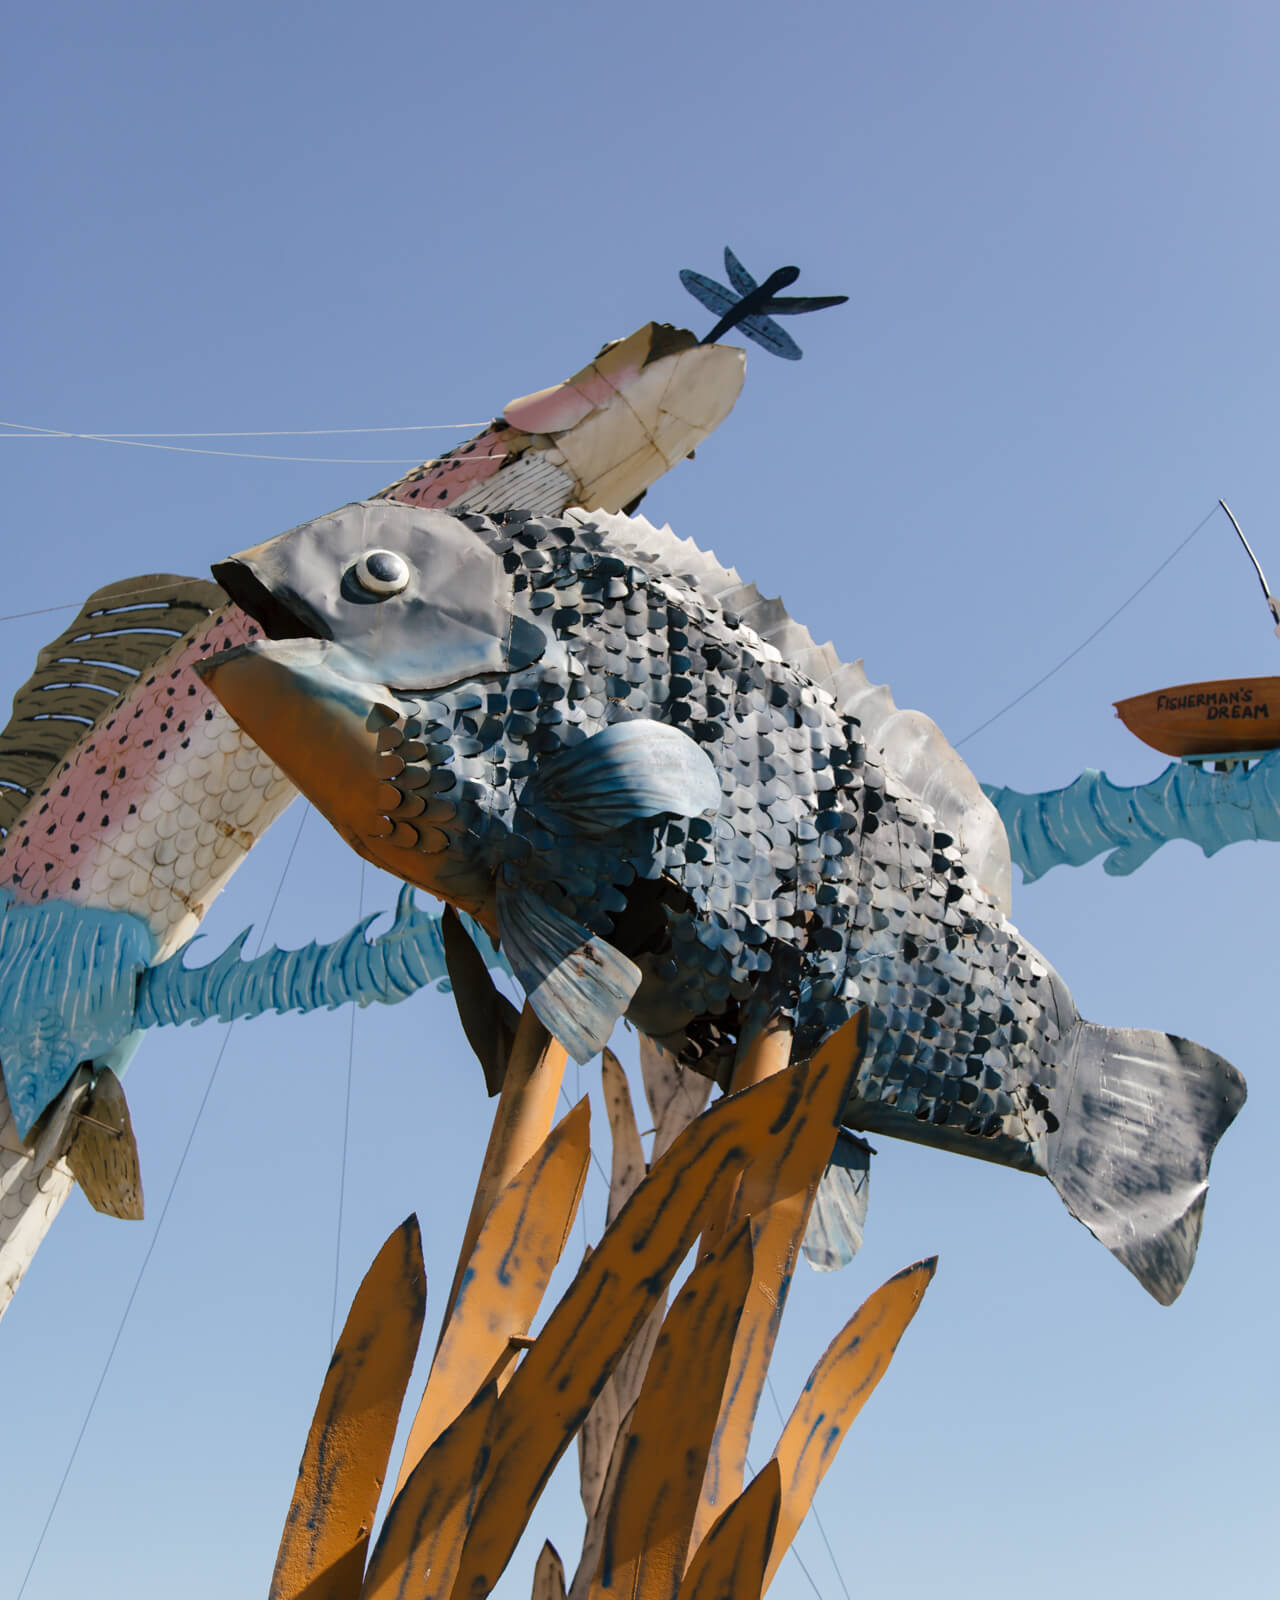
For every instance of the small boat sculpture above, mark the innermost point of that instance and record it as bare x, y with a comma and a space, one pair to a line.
1229, 716
1225, 720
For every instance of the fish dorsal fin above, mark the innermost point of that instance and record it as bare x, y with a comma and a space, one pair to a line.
80, 676
911, 745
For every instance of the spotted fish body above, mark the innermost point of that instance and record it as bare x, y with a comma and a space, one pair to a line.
664, 818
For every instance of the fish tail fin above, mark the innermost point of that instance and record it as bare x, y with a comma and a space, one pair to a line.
1130, 1157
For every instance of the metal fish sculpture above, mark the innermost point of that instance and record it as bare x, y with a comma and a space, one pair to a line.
671, 805
128, 797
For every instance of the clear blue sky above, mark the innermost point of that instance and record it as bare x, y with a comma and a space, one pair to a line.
1058, 229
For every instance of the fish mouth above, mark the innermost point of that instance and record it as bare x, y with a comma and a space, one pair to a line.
280, 615
305, 703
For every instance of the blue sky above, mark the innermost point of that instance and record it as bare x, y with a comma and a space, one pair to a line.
1057, 228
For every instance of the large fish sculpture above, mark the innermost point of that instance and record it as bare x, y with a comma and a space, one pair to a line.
128, 797
670, 805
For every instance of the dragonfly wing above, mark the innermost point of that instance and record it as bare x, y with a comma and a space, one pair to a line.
792, 305
713, 295
774, 339
739, 277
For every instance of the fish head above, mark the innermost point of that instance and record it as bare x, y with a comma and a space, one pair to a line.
368, 613
643, 404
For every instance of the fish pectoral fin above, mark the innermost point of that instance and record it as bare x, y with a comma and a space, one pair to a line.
1140, 1116
627, 771
103, 1155
578, 984
834, 1233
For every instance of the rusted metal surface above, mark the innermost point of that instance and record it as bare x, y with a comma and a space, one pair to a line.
326, 1532
838, 1388
505, 1278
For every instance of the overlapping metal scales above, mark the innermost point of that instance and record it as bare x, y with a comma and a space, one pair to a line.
120, 631
909, 744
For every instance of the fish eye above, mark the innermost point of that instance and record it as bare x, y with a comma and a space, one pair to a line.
381, 572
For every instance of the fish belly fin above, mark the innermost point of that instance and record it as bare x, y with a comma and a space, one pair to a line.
577, 983
834, 1232
627, 771
1143, 1114
103, 1154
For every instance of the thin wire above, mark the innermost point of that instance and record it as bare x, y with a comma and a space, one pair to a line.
238, 455
164, 1212
346, 1136
1072, 654
29, 430
813, 1504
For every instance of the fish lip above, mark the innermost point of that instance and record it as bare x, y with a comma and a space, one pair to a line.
280, 614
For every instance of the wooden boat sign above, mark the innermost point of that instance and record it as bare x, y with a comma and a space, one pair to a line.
1229, 716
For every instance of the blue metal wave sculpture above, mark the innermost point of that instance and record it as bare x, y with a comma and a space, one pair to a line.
1067, 827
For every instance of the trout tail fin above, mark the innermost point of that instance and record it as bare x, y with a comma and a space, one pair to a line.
1131, 1154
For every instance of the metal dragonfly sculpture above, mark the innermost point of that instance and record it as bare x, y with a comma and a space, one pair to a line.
752, 306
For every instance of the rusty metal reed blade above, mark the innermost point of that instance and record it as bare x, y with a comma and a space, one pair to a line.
838, 1388
416, 1556
512, 1262
730, 1562
651, 1515
618, 1285
521, 1122
344, 1463
548, 1575
777, 1194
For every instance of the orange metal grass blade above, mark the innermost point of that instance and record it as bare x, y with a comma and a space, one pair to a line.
344, 1463
417, 1552
778, 1196
584, 1337
599, 1433
521, 1122
729, 1564
506, 1277
548, 1575
651, 1518
593, 1537
839, 1386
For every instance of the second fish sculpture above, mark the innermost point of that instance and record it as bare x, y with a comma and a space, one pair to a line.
669, 804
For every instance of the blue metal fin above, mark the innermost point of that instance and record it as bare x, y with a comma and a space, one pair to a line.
626, 771
67, 974
578, 985
353, 969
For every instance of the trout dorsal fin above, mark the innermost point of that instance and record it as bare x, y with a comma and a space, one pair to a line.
910, 744
80, 676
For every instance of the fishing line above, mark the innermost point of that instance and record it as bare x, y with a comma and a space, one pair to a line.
1072, 654
164, 1212
25, 430
346, 1135
238, 455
